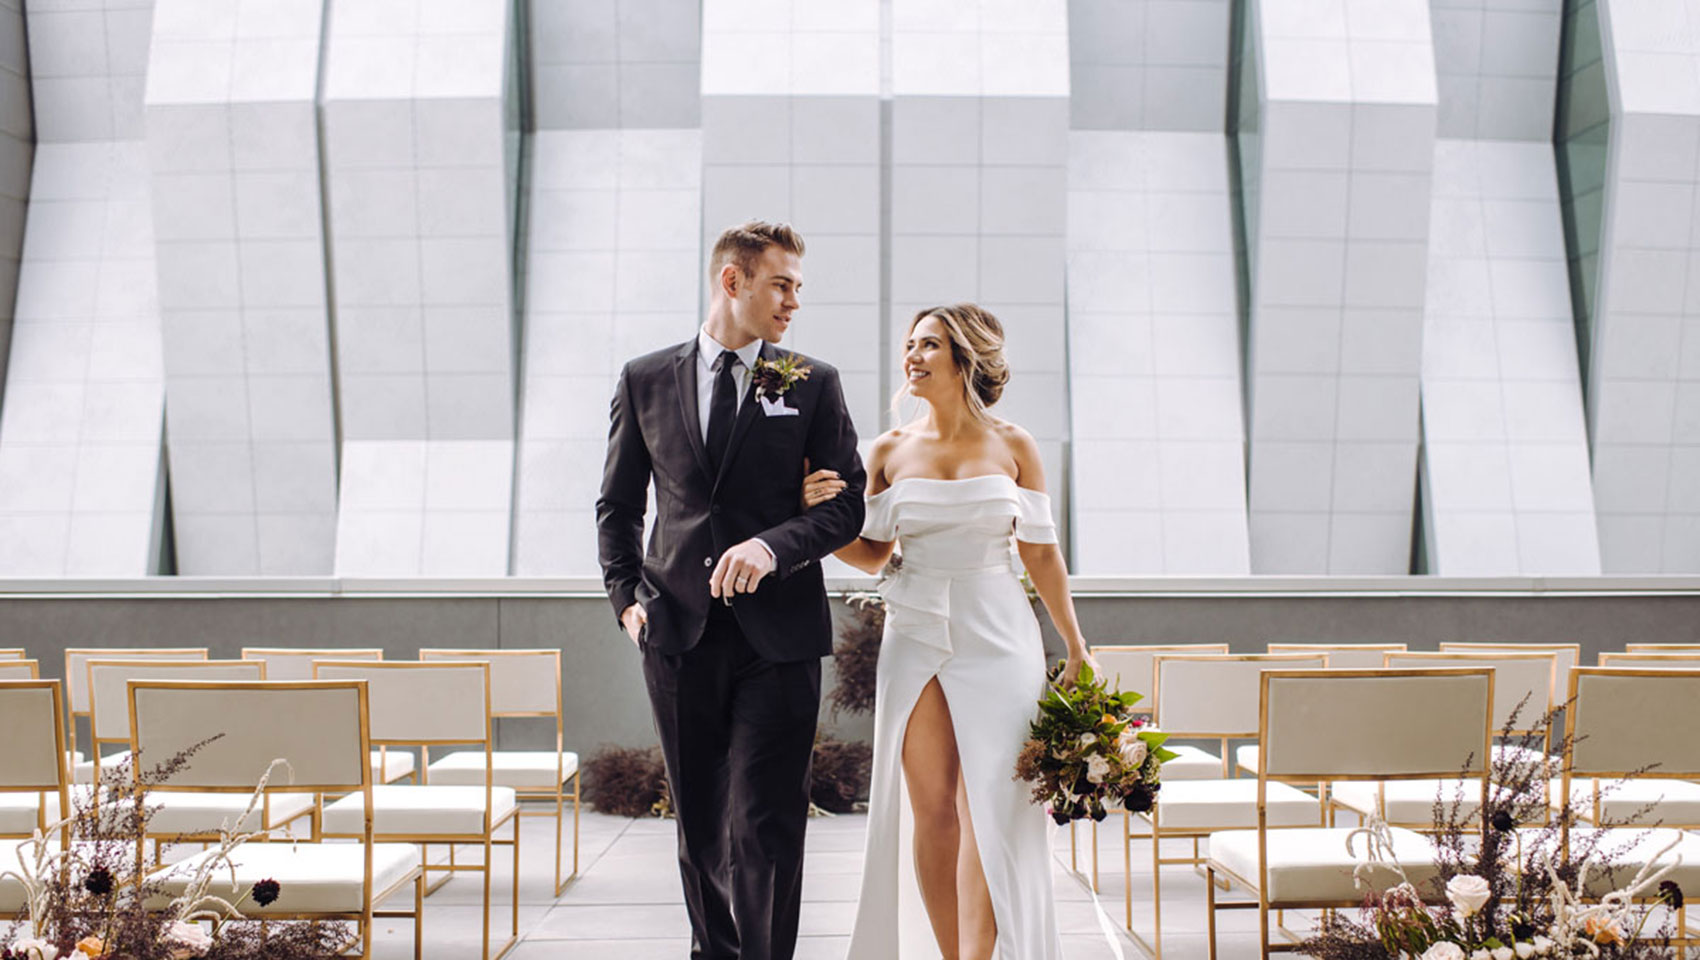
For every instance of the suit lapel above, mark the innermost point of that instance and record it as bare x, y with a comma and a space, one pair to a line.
746, 416
685, 376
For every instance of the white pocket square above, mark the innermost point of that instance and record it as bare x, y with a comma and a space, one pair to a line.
777, 408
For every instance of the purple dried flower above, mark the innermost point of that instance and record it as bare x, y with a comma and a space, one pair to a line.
266, 892
98, 882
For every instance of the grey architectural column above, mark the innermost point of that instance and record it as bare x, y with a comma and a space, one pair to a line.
1337, 147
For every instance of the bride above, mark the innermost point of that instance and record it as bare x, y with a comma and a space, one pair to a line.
961, 655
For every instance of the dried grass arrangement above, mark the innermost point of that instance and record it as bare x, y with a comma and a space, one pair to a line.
857, 656
841, 773
625, 781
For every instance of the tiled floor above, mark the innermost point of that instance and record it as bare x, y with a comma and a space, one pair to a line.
626, 904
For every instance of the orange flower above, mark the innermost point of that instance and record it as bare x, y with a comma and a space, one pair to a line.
91, 946
1603, 930
1106, 721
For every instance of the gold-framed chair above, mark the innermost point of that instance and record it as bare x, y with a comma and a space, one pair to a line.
1662, 660
36, 780
77, 688
1208, 697
181, 815
20, 670
1337, 726
1565, 655
1525, 678
320, 729
1128, 666
1612, 730
1662, 648
1341, 656
296, 663
523, 684
14, 653
420, 704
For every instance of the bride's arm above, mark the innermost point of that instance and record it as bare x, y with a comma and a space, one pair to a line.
868, 556
1045, 564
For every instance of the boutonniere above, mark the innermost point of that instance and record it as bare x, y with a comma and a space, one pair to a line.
775, 378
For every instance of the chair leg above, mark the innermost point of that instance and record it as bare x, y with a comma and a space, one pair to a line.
575, 822
1127, 867
1073, 849
1156, 892
1263, 924
1095, 888
419, 916
1209, 912
487, 872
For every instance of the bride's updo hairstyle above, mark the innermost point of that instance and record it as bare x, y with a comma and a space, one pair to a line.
976, 344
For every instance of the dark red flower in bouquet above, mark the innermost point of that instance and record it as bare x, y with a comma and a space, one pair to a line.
98, 882
1503, 822
1670, 893
1140, 798
266, 892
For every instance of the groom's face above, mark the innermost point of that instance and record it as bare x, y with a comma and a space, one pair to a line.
765, 300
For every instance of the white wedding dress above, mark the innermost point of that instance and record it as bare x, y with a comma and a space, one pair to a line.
956, 610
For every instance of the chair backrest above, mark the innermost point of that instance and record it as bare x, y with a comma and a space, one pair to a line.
1516, 676
1129, 666
1661, 648
1652, 661
20, 670
1215, 695
109, 696
13, 653
296, 663
317, 726
1343, 656
420, 704
32, 752
523, 683
77, 671
1376, 724
1565, 655
1633, 720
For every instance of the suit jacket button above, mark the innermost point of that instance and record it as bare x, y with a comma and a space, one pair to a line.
708, 561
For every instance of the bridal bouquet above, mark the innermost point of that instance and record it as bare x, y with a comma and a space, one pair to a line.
1087, 752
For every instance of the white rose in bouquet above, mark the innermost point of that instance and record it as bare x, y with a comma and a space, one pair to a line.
35, 947
1480, 955
1088, 739
1503, 953
1543, 944
1524, 949
1468, 893
191, 939
1443, 950
1133, 749
1097, 768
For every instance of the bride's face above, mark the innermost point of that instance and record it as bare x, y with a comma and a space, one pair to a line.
929, 366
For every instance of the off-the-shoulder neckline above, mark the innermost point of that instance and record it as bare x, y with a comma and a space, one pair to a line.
983, 476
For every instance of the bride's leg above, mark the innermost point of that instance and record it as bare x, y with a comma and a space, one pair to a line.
977, 923
932, 773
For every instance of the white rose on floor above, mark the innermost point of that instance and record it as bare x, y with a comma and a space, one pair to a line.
192, 937
35, 947
1543, 944
1097, 768
1468, 893
1502, 953
1524, 949
1443, 950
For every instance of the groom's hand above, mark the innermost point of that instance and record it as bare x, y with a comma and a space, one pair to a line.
740, 569
634, 618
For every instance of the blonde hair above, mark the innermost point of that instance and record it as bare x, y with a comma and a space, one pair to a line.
976, 346
745, 243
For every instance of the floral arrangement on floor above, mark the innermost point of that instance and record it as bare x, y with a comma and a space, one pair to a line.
1087, 752
855, 661
94, 900
632, 781
1514, 893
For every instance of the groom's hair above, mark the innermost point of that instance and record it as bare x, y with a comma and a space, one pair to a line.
744, 243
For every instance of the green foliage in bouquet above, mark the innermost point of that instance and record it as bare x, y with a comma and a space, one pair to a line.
1086, 752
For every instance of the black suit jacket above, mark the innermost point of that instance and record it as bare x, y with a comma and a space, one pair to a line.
655, 434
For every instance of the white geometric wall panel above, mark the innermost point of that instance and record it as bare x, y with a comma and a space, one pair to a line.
618, 63
1337, 150
88, 67
233, 140
17, 148
1148, 64
1506, 482
979, 168
791, 132
1644, 371
613, 271
1154, 359
1494, 62
420, 153
81, 481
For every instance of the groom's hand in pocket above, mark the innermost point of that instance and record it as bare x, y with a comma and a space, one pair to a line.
740, 570
634, 619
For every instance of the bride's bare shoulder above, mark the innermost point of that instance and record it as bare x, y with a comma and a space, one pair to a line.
1024, 450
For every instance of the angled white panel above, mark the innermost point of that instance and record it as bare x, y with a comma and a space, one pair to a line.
1148, 64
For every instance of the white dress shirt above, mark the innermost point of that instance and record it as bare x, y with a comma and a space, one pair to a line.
708, 351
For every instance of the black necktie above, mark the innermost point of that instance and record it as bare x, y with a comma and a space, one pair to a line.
722, 409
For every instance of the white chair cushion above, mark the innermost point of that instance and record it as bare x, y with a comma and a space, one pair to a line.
1410, 801
1222, 804
1630, 849
1675, 802
414, 811
521, 769
1192, 764
1246, 757
17, 811
207, 813
1309, 865
313, 877
388, 766
83, 770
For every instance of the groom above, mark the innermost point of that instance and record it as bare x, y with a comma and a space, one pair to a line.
728, 605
